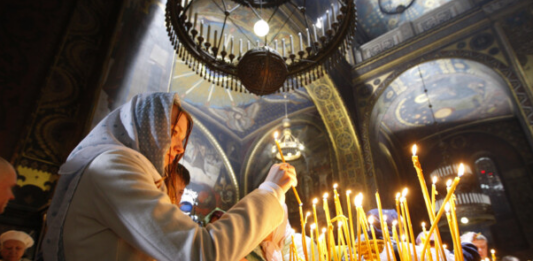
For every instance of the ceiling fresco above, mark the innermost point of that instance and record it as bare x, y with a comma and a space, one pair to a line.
238, 114
375, 23
459, 91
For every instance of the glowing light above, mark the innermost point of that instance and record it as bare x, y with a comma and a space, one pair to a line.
261, 28
413, 149
464, 220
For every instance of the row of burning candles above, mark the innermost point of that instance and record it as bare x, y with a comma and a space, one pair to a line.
404, 236
332, 19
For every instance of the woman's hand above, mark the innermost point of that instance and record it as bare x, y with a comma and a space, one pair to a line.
284, 175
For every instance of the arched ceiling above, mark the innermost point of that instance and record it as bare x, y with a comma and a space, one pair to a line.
459, 90
375, 23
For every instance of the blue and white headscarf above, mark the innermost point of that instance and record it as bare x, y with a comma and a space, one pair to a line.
143, 124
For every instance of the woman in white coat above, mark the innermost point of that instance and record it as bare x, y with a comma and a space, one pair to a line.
111, 204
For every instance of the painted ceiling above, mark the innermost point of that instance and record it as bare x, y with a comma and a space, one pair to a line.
375, 23
458, 90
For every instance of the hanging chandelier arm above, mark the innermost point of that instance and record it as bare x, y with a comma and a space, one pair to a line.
273, 13
283, 25
253, 10
222, 32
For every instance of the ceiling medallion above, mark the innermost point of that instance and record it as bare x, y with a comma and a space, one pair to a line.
261, 46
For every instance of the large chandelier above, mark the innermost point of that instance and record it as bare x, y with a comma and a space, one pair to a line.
261, 46
290, 146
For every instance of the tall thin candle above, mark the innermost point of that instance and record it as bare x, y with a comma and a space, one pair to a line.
441, 210
375, 240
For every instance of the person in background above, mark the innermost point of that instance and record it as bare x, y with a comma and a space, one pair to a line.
480, 241
176, 187
213, 216
510, 258
276, 246
110, 202
13, 244
8, 180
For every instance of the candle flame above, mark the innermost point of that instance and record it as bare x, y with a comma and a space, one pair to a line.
493, 251
404, 192
313, 226
447, 207
371, 219
461, 170
424, 224
308, 214
358, 201
398, 195
335, 186
413, 149
444, 246
434, 179
325, 195
348, 192
385, 218
276, 134
323, 230
449, 183
315, 200
340, 224
395, 222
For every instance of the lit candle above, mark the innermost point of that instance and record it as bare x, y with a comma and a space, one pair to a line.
400, 227
383, 223
351, 239
304, 243
452, 229
433, 193
395, 236
313, 226
315, 201
375, 240
357, 202
283, 160
340, 241
293, 247
408, 217
324, 246
493, 254
329, 233
441, 210
364, 223
388, 240
427, 237
427, 200
421, 180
